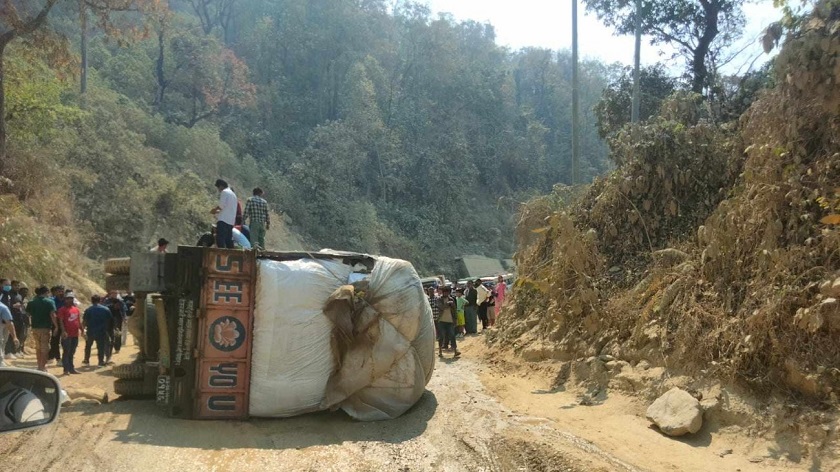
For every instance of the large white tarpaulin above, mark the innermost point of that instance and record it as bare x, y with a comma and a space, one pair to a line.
329, 335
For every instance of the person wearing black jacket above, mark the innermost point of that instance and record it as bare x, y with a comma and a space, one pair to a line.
483, 303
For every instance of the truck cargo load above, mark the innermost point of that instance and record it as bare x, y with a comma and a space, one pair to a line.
323, 343
246, 334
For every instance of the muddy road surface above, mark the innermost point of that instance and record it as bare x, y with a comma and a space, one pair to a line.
483, 412
456, 426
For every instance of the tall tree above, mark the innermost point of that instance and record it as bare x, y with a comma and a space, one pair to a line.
637, 59
103, 11
204, 78
213, 13
575, 96
17, 18
27, 18
695, 27
611, 110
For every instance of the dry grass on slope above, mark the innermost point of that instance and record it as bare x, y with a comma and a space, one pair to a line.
37, 252
705, 252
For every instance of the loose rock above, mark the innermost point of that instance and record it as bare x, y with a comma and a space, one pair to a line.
676, 413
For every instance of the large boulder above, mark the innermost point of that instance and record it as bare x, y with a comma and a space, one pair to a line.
676, 413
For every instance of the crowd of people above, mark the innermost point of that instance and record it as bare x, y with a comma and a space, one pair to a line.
457, 314
55, 322
234, 226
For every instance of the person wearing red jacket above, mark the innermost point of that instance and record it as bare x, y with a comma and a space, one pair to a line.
70, 324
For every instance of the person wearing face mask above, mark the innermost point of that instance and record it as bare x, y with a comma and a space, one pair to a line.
6, 293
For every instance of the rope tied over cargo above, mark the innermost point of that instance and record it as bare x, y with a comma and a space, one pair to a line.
353, 318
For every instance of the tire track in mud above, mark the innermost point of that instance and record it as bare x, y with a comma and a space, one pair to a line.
53, 450
501, 440
457, 426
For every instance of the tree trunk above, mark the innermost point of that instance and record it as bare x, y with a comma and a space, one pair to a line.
3, 107
226, 16
698, 65
159, 72
575, 97
637, 57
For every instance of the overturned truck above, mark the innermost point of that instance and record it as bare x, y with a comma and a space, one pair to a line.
238, 334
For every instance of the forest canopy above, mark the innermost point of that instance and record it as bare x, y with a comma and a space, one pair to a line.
371, 127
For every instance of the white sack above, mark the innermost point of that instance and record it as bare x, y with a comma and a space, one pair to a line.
384, 380
291, 360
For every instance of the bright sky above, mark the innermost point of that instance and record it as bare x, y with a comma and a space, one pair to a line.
547, 23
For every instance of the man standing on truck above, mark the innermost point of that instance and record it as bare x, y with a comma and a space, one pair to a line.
225, 213
256, 215
161, 246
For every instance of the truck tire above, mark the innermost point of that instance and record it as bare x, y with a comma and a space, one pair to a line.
151, 332
118, 266
117, 282
129, 371
133, 388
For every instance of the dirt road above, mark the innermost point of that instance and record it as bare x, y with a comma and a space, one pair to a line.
458, 425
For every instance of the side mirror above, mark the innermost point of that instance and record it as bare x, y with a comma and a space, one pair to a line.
28, 399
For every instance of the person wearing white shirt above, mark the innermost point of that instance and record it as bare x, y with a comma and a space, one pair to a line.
483, 300
225, 214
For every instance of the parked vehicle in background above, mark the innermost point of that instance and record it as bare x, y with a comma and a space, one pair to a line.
509, 279
434, 281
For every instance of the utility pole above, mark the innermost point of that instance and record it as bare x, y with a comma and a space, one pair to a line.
637, 57
83, 47
575, 97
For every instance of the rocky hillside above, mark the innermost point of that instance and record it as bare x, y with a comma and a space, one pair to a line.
711, 255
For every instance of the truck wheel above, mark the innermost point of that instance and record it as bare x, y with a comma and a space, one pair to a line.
129, 371
151, 332
117, 282
133, 388
118, 266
